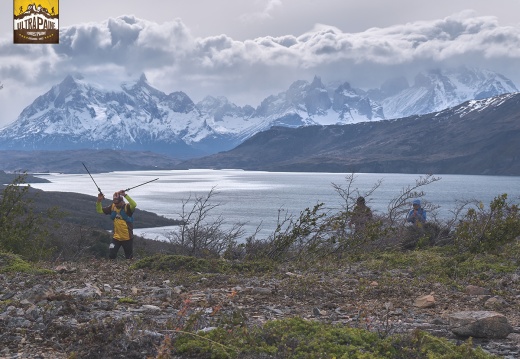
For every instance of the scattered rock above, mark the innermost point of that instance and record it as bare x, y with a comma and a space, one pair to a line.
152, 308
66, 313
275, 310
260, 290
291, 274
426, 301
207, 329
438, 321
64, 269
389, 306
90, 291
179, 289
162, 294
37, 293
475, 290
480, 324
514, 337
317, 312
495, 303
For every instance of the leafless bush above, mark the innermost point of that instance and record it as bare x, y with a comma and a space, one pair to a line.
321, 232
202, 234
400, 205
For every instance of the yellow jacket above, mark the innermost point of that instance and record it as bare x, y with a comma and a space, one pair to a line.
122, 217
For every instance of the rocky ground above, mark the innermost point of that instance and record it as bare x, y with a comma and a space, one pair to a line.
104, 309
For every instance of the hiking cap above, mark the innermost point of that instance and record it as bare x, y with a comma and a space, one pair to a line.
417, 201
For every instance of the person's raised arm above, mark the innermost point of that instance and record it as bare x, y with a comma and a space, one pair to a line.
131, 202
99, 207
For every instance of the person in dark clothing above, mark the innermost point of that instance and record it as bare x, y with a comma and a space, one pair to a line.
121, 213
361, 214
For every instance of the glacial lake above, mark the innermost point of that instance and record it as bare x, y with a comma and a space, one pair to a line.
258, 198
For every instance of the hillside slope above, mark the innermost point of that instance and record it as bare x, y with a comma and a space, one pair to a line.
477, 137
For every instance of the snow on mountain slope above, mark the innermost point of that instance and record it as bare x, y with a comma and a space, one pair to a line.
136, 116
305, 104
436, 90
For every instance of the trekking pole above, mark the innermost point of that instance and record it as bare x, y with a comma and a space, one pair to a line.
142, 184
99, 189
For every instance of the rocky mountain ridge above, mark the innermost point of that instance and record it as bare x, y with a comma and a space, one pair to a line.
76, 114
477, 137
436, 90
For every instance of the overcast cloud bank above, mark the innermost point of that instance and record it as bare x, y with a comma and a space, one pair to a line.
120, 49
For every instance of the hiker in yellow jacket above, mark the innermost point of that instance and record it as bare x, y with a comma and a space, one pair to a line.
121, 213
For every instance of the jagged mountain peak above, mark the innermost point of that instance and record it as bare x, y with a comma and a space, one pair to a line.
316, 83
392, 87
345, 86
77, 112
142, 79
296, 88
314, 103
141, 85
476, 137
74, 114
71, 79
71, 83
73, 89
156, 102
213, 101
437, 89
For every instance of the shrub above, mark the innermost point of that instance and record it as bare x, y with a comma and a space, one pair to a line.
126, 300
484, 229
172, 262
202, 234
318, 232
299, 338
21, 230
298, 239
13, 263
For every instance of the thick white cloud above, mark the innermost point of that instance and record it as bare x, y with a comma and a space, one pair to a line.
246, 71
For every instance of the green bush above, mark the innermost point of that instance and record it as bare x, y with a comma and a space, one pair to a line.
299, 338
173, 262
23, 231
484, 229
13, 263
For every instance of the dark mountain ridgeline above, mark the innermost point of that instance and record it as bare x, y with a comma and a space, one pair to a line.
309, 127
76, 114
478, 137
71, 161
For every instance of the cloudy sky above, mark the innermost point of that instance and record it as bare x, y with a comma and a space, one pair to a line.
249, 49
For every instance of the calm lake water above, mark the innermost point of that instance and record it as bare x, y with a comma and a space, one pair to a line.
257, 198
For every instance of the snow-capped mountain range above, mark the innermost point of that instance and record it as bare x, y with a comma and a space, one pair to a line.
437, 90
76, 114
475, 137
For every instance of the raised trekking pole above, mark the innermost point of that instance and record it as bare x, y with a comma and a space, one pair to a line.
99, 189
139, 185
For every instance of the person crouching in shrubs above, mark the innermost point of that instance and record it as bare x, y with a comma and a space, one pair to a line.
417, 214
